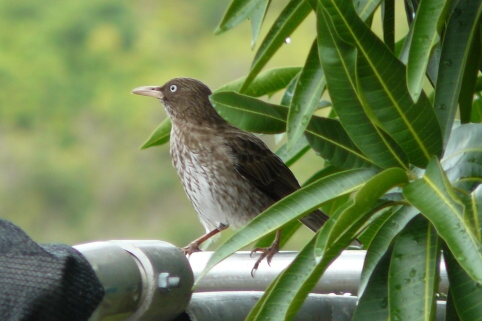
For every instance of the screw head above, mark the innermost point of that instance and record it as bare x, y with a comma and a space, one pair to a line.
166, 281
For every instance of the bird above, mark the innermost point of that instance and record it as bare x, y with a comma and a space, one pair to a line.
229, 175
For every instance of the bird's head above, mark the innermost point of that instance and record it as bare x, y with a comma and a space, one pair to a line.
185, 100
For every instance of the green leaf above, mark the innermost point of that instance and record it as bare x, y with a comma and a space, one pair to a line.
325, 171
427, 26
326, 136
249, 113
330, 140
290, 89
413, 276
462, 26
287, 231
450, 311
339, 63
363, 201
366, 8
388, 23
476, 211
273, 305
374, 226
309, 88
257, 17
295, 205
287, 22
413, 126
469, 81
476, 115
160, 135
291, 156
267, 82
300, 277
373, 302
462, 161
289, 19
435, 198
466, 293
304, 272
380, 244
238, 11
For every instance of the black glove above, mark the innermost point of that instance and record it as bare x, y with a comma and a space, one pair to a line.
44, 282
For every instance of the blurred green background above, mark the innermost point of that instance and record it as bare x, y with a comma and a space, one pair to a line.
71, 168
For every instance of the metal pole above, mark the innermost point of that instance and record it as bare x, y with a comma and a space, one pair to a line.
143, 280
235, 306
233, 274
152, 280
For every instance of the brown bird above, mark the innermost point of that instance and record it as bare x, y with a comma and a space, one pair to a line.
229, 175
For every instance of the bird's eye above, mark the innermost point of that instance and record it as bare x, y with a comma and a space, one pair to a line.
173, 88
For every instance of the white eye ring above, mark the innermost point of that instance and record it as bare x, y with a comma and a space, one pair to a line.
173, 88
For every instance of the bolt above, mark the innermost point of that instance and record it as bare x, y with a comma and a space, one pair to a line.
167, 282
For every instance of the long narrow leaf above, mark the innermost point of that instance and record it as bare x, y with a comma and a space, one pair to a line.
465, 292
274, 304
380, 244
238, 11
300, 277
476, 211
302, 274
363, 201
459, 34
291, 156
268, 82
413, 277
427, 27
380, 78
330, 140
388, 23
434, 196
249, 113
450, 311
373, 302
291, 207
339, 63
462, 161
291, 17
309, 88
326, 136
257, 18
469, 81
160, 135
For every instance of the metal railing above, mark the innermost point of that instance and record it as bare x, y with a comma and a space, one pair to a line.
152, 280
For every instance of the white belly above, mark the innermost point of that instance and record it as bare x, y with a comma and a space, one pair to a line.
215, 204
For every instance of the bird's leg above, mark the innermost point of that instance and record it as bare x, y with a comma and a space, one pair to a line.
267, 252
194, 245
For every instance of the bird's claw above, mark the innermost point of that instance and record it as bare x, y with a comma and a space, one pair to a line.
266, 252
190, 249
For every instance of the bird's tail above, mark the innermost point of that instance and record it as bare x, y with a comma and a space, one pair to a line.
315, 220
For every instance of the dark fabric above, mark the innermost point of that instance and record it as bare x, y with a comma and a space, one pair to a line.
44, 282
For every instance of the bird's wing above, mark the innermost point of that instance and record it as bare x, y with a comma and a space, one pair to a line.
255, 162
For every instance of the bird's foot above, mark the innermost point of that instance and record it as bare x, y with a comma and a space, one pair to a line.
266, 252
190, 249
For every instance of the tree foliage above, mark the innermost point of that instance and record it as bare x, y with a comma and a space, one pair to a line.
407, 169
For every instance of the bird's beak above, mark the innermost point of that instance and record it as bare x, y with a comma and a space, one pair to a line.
153, 91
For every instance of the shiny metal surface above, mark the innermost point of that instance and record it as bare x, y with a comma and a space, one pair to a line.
143, 280
233, 274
